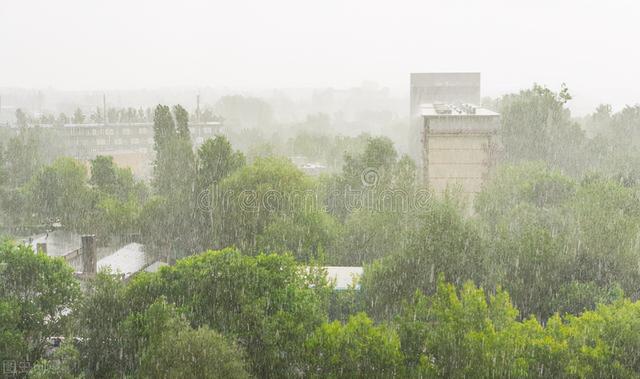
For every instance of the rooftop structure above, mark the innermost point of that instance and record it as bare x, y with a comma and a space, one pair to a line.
344, 277
127, 261
155, 266
431, 88
455, 87
58, 242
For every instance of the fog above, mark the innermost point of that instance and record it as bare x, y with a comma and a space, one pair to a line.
288, 189
249, 46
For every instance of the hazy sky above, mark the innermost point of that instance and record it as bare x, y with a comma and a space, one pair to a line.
117, 44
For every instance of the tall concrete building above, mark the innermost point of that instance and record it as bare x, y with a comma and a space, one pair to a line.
459, 146
455, 87
454, 141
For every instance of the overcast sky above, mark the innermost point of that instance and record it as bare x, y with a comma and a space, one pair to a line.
121, 44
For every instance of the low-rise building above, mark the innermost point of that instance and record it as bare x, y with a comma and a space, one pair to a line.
130, 144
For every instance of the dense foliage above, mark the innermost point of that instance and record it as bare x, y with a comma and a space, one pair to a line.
539, 279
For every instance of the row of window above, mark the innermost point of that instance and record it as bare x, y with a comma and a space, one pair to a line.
122, 131
133, 141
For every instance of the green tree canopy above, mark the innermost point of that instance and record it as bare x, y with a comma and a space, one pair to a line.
36, 295
356, 349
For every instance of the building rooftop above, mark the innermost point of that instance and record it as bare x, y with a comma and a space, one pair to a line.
344, 277
445, 109
155, 266
89, 125
128, 260
59, 242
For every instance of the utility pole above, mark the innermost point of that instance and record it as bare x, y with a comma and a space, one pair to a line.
104, 108
198, 108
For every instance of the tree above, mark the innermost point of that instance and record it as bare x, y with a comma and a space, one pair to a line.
182, 122
357, 349
443, 242
374, 180
248, 112
193, 353
119, 198
36, 294
64, 363
607, 215
577, 297
78, 116
100, 315
60, 191
267, 303
554, 238
174, 176
536, 125
532, 184
465, 333
378, 161
262, 201
156, 221
534, 261
306, 234
174, 166
4, 176
97, 116
115, 181
216, 161
604, 342
22, 120
62, 119
369, 235
23, 158
103, 173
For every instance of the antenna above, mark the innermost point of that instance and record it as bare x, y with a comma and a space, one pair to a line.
198, 108
104, 108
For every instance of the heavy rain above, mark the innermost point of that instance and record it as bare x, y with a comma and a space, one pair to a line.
335, 189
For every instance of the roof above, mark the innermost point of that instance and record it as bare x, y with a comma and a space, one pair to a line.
455, 110
345, 277
128, 260
59, 242
134, 124
155, 266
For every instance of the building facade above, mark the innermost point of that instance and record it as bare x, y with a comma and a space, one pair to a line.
130, 144
435, 87
459, 146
